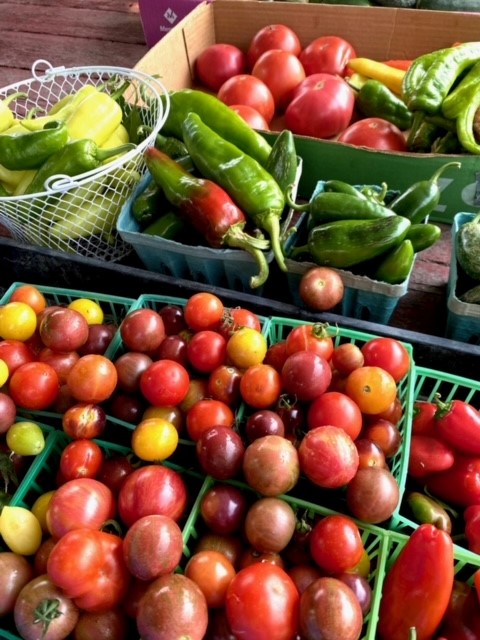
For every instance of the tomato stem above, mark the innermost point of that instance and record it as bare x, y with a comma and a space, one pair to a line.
47, 611
443, 408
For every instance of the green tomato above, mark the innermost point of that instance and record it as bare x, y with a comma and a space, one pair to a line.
25, 438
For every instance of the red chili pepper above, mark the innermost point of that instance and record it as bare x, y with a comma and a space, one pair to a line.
207, 207
423, 422
458, 423
404, 65
462, 618
418, 586
471, 515
459, 485
428, 455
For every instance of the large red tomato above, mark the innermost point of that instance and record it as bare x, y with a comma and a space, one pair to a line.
282, 72
323, 110
374, 133
248, 91
273, 36
327, 54
219, 62
262, 603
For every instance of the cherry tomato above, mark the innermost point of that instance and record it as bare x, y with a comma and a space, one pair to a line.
310, 337
327, 54
273, 36
337, 409
92, 379
208, 413
18, 321
31, 295
282, 72
14, 353
336, 544
142, 330
164, 383
372, 388
224, 384
217, 63
248, 91
212, 572
374, 133
203, 310
277, 617
34, 385
306, 375
206, 350
388, 353
154, 439
346, 357
261, 386
237, 317
246, 347
81, 459
89, 309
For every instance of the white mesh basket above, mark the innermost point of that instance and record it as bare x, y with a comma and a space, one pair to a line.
78, 214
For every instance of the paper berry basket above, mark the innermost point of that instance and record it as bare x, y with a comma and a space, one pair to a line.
88, 204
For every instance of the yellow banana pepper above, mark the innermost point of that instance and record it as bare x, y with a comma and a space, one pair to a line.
389, 76
95, 118
7, 117
61, 113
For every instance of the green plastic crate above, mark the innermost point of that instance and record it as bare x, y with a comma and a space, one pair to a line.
374, 539
428, 383
278, 328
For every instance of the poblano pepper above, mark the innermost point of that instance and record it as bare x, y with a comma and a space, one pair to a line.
374, 99
30, 150
219, 117
208, 208
345, 243
74, 159
254, 190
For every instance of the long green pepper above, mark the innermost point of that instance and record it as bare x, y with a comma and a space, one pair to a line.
253, 189
30, 150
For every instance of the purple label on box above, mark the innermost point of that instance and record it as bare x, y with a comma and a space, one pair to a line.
159, 16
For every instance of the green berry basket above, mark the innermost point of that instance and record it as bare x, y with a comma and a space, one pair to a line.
428, 383
278, 329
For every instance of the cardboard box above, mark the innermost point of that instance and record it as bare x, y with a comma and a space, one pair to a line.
376, 32
160, 16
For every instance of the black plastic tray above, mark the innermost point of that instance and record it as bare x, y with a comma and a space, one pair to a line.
25, 263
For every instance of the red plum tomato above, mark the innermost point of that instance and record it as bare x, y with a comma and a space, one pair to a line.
277, 617
374, 133
219, 62
249, 91
282, 72
273, 36
322, 111
327, 54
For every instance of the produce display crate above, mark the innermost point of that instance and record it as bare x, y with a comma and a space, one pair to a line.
373, 537
364, 297
428, 383
279, 328
463, 318
231, 268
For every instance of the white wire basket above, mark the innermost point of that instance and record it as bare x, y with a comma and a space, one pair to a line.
77, 214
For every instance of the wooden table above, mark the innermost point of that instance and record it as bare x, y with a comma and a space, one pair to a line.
109, 32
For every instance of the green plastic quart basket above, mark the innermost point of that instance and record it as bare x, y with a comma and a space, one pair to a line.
428, 383
278, 328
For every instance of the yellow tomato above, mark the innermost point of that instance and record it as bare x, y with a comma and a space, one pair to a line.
40, 507
154, 439
4, 372
25, 438
90, 310
20, 529
246, 347
18, 321
172, 414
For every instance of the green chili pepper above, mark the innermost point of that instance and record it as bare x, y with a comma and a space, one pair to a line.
146, 206
376, 100
282, 162
7, 117
419, 200
345, 243
254, 190
462, 94
426, 510
423, 235
416, 73
173, 147
338, 186
328, 206
465, 125
397, 264
168, 226
447, 65
74, 159
219, 117
30, 150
